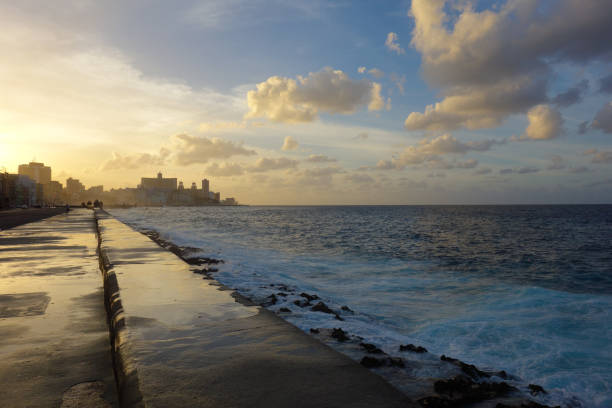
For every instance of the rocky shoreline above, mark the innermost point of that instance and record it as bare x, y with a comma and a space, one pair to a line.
431, 380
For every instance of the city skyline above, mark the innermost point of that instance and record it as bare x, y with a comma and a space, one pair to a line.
330, 102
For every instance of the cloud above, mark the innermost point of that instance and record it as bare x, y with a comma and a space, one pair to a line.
266, 164
392, 43
557, 163
361, 136
190, 150
129, 162
361, 70
376, 73
281, 99
320, 158
583, 127
359, 178
579, 169
398, 81
429, 150
605, 84
599, 157
217, 126
476, 107
544, 123
290, 143
572, 95
482, 171
520, 170
468, 164
491, 63
603, 119
225, 170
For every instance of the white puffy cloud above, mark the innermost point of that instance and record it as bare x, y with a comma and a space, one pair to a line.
544, 123
603, 119
290, 143
319, 158
189, 149
283, 99
476, 107
392, 43
361, 70
495, 62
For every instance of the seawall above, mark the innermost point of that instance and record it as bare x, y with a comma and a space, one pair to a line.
182, 341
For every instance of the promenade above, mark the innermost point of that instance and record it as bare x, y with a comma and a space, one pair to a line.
54, 343
177, 340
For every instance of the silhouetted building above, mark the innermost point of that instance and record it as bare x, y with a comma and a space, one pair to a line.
74, 188
159, 183
205, 186
37, 172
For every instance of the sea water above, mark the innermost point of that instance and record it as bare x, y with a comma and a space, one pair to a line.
525, 289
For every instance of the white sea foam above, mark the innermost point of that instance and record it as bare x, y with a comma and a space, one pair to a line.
556, 339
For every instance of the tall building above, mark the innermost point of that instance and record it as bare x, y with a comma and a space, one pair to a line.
74, 186
38, 172
159, 183
205, 186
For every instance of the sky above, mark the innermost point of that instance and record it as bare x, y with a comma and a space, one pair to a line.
317, 102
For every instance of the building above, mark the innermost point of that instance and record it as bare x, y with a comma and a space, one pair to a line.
37, 172
52, 193
205, 186
159, 183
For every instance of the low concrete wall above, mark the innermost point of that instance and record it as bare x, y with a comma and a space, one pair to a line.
181, 341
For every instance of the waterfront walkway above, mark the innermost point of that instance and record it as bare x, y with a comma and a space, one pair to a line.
177, 340
54, 342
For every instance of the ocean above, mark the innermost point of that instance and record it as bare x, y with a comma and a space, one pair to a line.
525, 289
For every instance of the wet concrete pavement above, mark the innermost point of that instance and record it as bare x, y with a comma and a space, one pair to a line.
54, 340
182, 341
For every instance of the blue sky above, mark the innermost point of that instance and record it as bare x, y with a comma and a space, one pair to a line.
321, 102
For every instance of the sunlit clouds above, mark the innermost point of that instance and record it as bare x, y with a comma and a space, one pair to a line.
356, 103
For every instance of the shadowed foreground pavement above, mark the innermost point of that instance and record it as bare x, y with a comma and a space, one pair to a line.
54, 341
18, 216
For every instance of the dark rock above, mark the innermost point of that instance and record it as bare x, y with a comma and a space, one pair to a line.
462, 389
347, 309
301, 303
322, 307
339, 334
370, 348
284, 310
468, 369
211, 270
396, 362
271, 300
535, 389
372, 362
413, 348
525, 404
339, 318
284, 288
315, 331
502, 374
435, 402
283, 294
309, 297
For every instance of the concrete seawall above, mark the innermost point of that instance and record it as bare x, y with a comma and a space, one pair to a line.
182, 341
